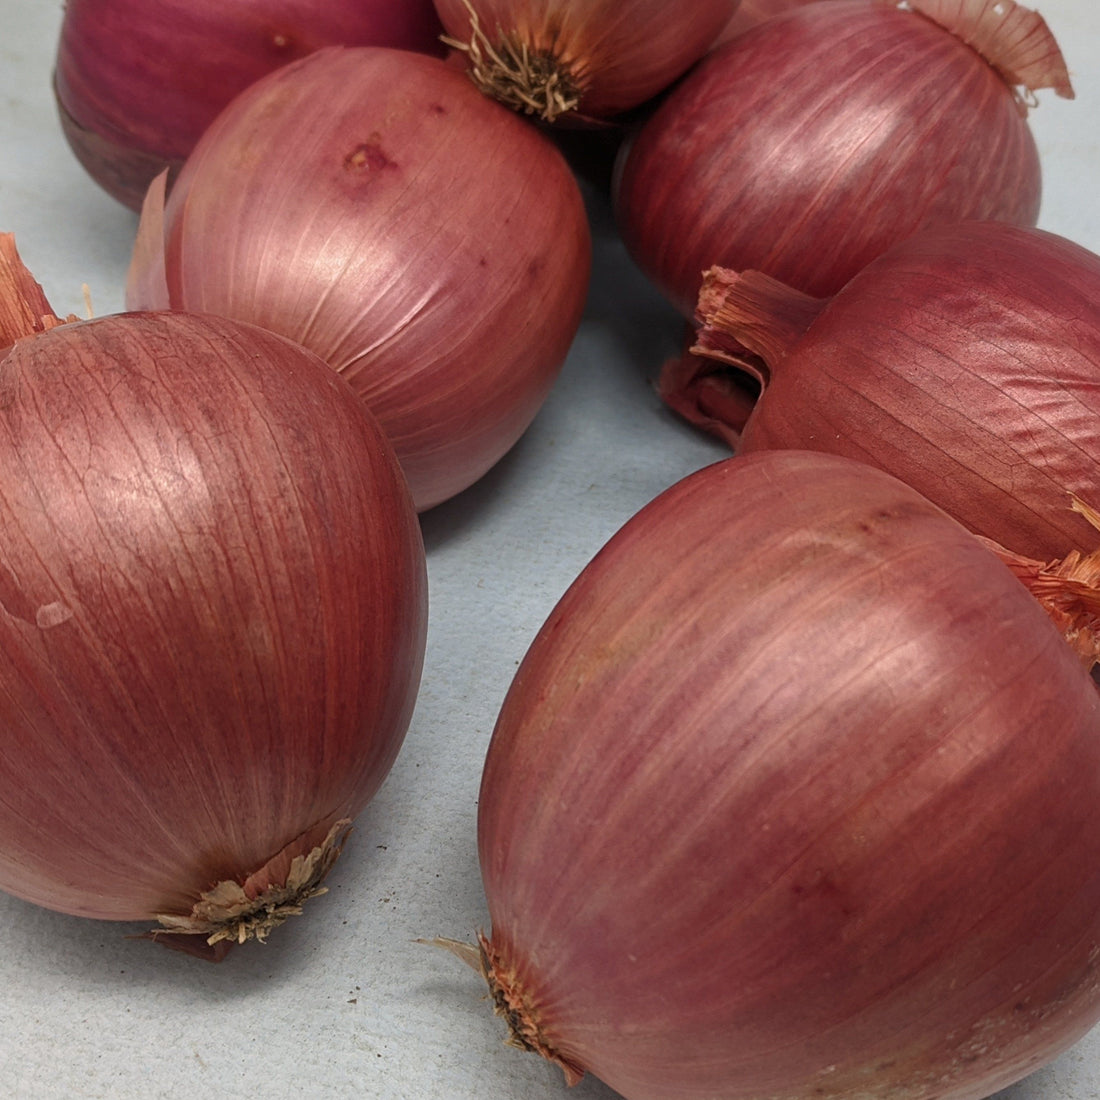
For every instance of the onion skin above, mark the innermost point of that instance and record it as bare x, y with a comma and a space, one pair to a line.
887, 123
212, 620
601, 57
138, 81
751, 12
427, 243
965, 361
795, 794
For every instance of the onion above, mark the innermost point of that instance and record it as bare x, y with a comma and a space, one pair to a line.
212, 618
965, 361
427, 243
809, 144
796, 793
138, 81
589, 58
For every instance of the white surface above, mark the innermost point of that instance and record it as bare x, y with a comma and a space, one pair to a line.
341, 1002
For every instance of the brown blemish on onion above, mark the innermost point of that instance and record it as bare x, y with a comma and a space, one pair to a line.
368, 156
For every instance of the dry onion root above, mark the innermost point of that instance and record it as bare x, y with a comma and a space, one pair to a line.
579, 59
212, 617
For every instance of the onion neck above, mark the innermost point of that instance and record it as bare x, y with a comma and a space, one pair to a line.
233, 912
1012, 39
539, 83
1068, 590
748, 323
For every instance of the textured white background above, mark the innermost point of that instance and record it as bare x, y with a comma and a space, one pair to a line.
341, 1003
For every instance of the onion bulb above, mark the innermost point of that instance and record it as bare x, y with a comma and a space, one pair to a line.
212, 617
429, 244
965, 361
591, 59
810, 143
795, 794
138, 81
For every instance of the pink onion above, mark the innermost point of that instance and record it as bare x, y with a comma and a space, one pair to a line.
138, 81
212, 617
592, 58
809, 144
965, 361
426, 242
796, 794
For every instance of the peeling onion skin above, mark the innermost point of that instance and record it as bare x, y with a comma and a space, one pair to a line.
965, 361
138, 81
429, 244
212, 611
807, 145
613, 54
795, 794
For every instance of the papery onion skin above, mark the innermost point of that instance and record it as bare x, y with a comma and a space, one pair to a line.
138, 81
795, 794
212, 613
965, 361
809, 144
430, 245
604, 56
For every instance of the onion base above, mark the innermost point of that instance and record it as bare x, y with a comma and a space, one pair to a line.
232, 912
534, 83
509, 1001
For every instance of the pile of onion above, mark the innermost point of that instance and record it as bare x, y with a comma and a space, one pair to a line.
426, 242
810, 143
138, 81
582, 59
796, 793
212, 617
965, 361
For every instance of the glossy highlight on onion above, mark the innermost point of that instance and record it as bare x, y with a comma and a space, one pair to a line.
807, 145
427, 243
589, 59
138, 81
212, 617
796, 793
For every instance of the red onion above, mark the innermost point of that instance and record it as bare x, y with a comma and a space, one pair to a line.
429, 244
965, 361
138, 81
809, 144
212, 618
592, 58
796, 794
